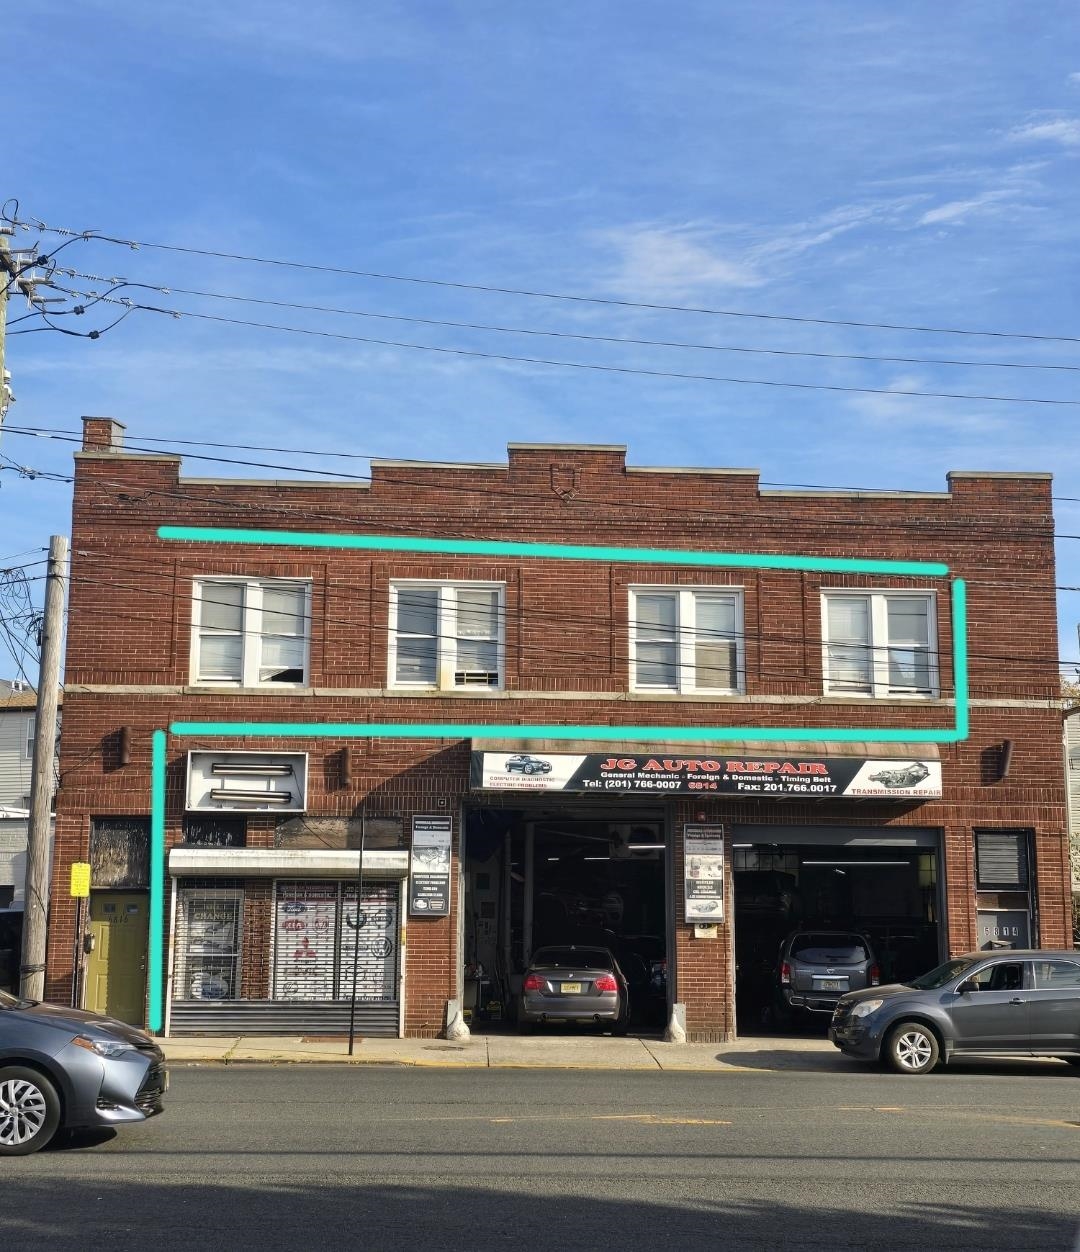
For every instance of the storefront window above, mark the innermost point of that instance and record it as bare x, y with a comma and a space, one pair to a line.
208, 943
320, 938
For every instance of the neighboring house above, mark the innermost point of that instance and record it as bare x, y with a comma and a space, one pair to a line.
1072, 774
554, 700
17, 705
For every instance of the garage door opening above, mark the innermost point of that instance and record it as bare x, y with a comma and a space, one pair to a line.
798, 899
537, 879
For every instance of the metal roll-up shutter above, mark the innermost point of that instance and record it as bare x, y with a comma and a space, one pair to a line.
1001, 859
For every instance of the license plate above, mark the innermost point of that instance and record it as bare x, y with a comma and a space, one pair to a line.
570, 988
830, 984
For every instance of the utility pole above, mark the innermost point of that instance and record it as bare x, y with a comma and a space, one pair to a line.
7, 272
35, 918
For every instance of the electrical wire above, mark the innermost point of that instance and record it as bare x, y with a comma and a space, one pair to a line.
135, 245
117, 284
594, 366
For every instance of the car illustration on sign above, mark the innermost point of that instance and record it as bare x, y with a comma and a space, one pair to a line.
527, 765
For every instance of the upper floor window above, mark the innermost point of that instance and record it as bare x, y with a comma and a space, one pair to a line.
881, 643
31, 728
250, 633
686, 639
446, 636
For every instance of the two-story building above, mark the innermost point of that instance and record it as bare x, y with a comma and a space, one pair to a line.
369, 744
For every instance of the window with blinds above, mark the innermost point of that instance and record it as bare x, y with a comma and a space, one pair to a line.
686, 639
446, 636
879, 643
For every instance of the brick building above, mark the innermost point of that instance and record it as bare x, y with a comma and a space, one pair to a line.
558, 699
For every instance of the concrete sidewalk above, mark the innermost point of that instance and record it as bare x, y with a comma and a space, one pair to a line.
506, 1051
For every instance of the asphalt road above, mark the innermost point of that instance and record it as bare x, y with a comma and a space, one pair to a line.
294, 1157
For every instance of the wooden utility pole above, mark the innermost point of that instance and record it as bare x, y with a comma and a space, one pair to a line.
7, 274
35, 918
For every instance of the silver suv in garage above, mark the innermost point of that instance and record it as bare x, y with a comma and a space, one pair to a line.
1018, 1002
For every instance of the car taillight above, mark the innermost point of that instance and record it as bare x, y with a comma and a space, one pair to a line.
606, 982
533, 982
875, 974
785, 972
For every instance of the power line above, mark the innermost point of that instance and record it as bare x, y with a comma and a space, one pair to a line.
121, 283
593, 366
93, 235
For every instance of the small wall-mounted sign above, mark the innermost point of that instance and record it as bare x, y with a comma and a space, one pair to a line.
705, 930
429, 866
80, 879
703, 873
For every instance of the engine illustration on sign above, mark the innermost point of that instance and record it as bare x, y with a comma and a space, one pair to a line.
431, 857
906, 776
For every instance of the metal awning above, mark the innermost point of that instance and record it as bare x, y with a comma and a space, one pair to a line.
286, 863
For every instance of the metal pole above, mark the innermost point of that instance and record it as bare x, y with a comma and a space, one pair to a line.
41, 778
356, 948
76, 948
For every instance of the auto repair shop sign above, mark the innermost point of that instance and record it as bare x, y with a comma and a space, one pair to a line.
804, 776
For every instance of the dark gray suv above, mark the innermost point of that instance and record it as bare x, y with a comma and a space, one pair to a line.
1023, 1002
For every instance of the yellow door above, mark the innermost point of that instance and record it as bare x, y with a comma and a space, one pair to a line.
116, 966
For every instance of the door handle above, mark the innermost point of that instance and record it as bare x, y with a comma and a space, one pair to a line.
1017, 1000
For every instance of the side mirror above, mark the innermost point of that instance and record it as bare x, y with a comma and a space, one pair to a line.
969, 984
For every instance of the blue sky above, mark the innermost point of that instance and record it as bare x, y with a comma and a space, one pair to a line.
912, 163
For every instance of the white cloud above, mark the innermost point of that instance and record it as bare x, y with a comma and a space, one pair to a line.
1062, 130
958, 210
674, 261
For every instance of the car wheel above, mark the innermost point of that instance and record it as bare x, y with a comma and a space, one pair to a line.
29, 1111
528, 769
912, 1048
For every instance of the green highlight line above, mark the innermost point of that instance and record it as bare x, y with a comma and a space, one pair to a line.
960, 657
599, 734
552, 551
155, 998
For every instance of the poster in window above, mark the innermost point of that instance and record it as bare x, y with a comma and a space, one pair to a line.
305, 940
369, 942
703, 873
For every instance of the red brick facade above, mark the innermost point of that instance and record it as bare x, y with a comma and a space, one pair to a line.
566, 630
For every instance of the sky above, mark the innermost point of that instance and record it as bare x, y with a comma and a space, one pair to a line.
911, 164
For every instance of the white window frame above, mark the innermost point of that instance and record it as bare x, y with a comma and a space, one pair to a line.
686, 638
251, 632
31, 732
445, 651
881, 689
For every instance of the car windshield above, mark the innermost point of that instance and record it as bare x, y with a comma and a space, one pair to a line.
11, 1002
824, 949
574, 958
941, 975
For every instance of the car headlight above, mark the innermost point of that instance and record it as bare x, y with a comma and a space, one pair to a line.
865, 1007
103, 1047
